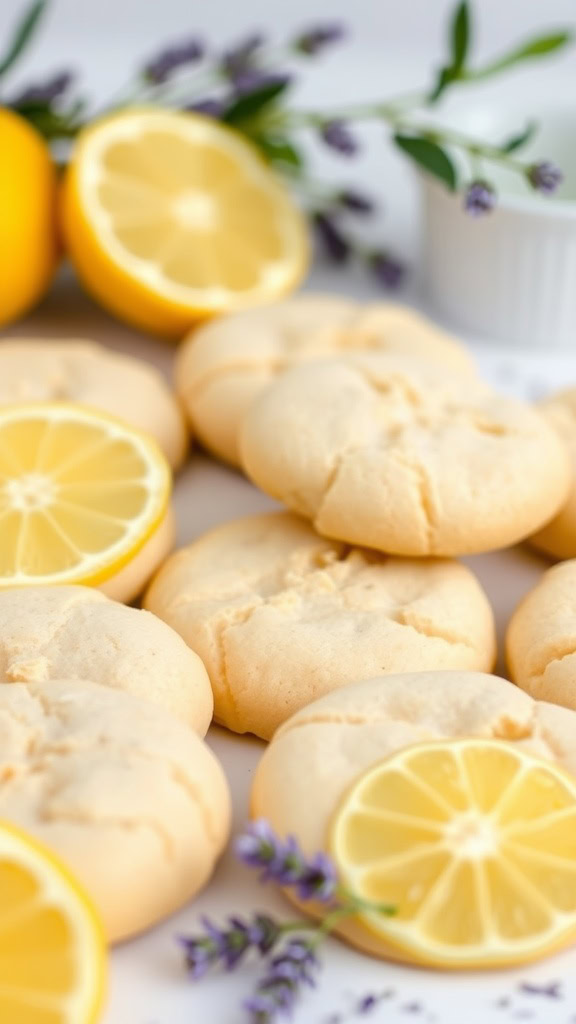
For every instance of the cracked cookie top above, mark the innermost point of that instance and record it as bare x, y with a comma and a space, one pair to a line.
404, 456
227, 363
77, 633
541, 638
319, 753
82, 371
129, 797
281, 616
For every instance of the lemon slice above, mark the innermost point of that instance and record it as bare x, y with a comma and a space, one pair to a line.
171, 217
52, 951
474, 842
80, 494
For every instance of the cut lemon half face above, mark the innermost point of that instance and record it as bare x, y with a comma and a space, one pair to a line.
473, 842
52, 950
80, 494
171, 217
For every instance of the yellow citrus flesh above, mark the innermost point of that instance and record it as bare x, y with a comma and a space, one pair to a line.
80, 494
171, 217
52, 950
28, 247
474, 842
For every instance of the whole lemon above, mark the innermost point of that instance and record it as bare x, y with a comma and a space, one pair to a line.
28, 244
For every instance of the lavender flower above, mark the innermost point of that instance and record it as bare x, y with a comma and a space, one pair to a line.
389, 272
254, 79
44, 92
211, 107
241, 58
318, 37
278, 991
283, 862
228, 946
545, 177
479, 198
338, 136
354, 201
335, 245
161, 67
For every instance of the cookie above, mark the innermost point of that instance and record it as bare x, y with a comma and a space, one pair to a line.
226, 364
404, 457
77, 633
541, 638
129, 582
129, 797
281, 616
558, 537
317, 755
83, 371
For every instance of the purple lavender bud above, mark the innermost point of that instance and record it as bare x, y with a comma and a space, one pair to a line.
356, 202
253, 80
335, 245
338, 136
367, 1004
319, 880
545, 177
278, 991
44, 92
258, 847
210, 107
318, 37
479, 198
262, 1009
388, 271
240, 58
161, 67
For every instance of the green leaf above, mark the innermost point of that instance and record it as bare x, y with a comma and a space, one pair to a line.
443, 79
460, 36
541, 46
279, 150
23, 33
430, 156
253, 103
520, 139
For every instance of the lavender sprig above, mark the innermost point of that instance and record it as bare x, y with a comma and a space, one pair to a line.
279, 990
283, 862
227, 947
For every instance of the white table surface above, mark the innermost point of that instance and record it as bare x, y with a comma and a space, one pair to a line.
148, 981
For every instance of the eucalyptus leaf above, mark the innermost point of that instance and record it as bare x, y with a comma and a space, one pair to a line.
23, 34
460, 37
520, 138
430, 156
253, 103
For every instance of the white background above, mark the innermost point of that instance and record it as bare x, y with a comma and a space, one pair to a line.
394, 45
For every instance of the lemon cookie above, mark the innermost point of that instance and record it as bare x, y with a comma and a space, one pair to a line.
83, 371
558, 537
129, 797
225, 364
281, 616
404, 456
541, 638
78, 633
320, 752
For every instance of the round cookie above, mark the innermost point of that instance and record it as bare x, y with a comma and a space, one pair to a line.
558, 537
404, 457
83, 371
541, 638
129, 797
281, 616
77, 633
317, 755
225, 364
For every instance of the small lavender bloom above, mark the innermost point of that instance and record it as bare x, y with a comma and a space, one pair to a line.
338, 136
334, 243
278, 991
44, 92
240, 58
354, 201
161, 67
253, 80
227, 946
545, 177
388, 271
318, 37
479, 198
284, 862
319, 880
210, 107
367, 1004
258, 846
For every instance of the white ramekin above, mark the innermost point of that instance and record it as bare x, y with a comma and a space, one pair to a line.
509, 276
